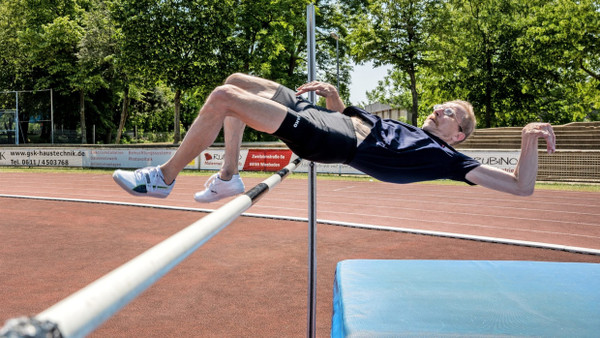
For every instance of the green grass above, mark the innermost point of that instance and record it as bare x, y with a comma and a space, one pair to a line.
331, 177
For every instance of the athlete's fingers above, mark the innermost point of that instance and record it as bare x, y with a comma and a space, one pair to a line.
550, 140
321, 88
544, 130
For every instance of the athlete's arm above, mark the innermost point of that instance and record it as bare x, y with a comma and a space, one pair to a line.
522, 181
328, 91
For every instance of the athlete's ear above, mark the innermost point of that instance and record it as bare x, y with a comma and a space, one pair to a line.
460, 136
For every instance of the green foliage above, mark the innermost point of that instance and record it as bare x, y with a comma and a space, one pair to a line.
396, 32
177, 41
153, 111
516, 61
562, 40
180, 42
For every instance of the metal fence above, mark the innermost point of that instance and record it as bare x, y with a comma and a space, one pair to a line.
570, 166
26, 116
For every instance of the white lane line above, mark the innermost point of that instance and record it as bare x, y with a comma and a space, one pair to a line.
487, 239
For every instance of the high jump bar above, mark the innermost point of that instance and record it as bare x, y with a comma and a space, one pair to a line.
85, 310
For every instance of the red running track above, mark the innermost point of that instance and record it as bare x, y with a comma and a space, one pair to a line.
250, 279
555, 217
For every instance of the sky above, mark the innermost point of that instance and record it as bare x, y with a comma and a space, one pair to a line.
365, 78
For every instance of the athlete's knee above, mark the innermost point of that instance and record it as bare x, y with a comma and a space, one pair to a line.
227, 93
252, 84
222, 97
238, 79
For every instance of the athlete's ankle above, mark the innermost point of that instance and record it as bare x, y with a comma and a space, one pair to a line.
167, 175
226, 175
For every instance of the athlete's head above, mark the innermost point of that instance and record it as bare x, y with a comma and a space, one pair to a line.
451, 121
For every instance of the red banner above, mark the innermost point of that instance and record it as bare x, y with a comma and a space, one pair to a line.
267, 159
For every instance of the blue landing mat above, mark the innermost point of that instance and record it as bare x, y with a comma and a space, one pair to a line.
430, 298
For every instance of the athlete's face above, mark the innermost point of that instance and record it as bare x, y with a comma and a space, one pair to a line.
444, 122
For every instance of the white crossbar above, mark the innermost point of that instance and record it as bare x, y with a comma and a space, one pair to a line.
83, 311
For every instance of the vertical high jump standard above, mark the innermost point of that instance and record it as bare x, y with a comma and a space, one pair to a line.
312, 189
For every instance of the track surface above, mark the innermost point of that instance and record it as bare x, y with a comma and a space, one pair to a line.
250, 279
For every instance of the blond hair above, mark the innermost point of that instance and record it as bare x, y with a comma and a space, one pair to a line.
468, 121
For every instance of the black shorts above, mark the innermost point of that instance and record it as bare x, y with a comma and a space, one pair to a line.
315, 133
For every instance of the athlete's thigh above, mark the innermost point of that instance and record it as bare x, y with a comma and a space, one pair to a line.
256, 111
255, 85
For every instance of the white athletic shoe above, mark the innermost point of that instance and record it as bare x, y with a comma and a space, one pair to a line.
217, 189
143, 182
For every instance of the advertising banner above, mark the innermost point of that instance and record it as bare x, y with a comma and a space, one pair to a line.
340, 169
267, 159
42, 157
502, 159
212, 159
250, 159
130, 158
87, 157
254, 159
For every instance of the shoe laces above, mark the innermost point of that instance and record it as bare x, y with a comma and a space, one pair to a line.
210, 183
150, 176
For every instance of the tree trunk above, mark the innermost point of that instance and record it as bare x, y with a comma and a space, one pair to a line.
23, 128
124, 113
415, 97
489, 110
177, 134
82, 116
412, 73
294, 58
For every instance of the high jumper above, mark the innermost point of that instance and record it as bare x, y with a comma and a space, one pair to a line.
388, 150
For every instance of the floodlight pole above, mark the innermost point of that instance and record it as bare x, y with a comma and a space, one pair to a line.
312, 189
337, 56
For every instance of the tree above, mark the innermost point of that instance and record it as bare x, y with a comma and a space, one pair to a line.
182, 42
517, 61
8, 43
96, 70
562, 42
269, 38
269, 41
396, 33
43, 41
477, 60
331, 19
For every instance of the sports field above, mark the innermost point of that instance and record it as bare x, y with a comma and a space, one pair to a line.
62, 230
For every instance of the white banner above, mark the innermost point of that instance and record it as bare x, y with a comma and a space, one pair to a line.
130, 157
86, 157
210, 159
42, 157
502, 159
328, 168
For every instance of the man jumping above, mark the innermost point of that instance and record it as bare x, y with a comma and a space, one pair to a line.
388, 150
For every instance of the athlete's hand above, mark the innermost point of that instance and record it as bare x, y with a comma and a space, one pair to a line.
320, 88
537, 130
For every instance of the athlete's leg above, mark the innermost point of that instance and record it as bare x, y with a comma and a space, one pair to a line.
225, 101
233, 130
233, 127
